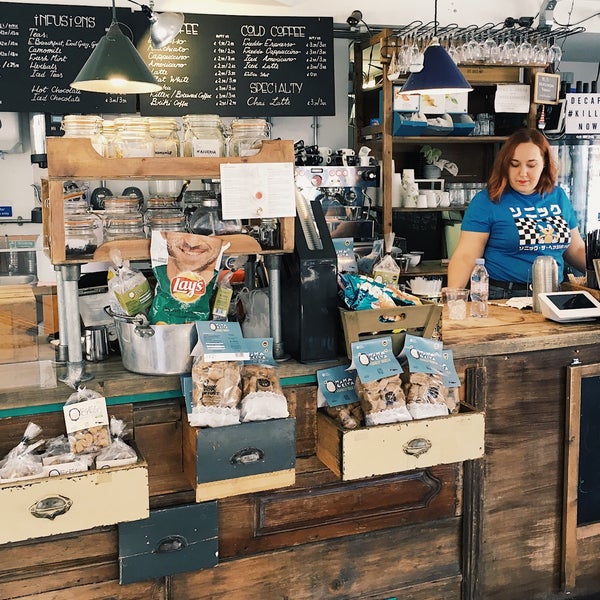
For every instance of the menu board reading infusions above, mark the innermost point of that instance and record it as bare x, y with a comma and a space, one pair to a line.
42, 49
244, 66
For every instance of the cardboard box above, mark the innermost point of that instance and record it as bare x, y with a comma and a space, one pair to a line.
239, 459
359, 325
383, 449
18, 324
64, 503
171, 540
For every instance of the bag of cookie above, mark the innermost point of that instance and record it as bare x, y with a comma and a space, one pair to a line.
216, 393
378, 383
426, 396
262, 396
119, 452
336, 394
86, 421
22, 462
58, 459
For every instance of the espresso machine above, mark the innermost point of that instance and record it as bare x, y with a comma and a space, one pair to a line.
345, 194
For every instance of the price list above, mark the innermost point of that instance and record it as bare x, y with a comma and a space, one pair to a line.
42, 49
244, 67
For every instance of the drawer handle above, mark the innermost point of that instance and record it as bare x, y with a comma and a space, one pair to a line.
246, 456
171, 543
51, 507
417, 446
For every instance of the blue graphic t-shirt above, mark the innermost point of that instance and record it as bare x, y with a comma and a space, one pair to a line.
521, 228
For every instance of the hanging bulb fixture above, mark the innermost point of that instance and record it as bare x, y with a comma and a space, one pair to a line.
439, 74
165, 26
115, 66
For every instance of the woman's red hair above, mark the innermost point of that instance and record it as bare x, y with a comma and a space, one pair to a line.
498, 179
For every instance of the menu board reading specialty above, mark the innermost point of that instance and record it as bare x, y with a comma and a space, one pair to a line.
42, 49
245, 67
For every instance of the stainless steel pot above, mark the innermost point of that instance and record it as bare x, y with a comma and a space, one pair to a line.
154, 349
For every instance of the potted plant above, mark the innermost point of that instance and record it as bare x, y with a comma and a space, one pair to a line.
432, 169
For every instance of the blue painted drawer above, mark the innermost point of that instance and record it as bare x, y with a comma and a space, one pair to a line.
239, 459
172, 540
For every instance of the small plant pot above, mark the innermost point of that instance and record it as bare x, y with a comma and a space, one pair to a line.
431, 172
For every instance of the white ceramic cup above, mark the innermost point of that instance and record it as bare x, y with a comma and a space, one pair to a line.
433, 198
325, 151
422, 201
444, 199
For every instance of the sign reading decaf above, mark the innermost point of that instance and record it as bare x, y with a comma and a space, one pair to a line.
42, 49
245, 67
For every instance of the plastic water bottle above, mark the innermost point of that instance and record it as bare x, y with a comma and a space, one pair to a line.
480, 284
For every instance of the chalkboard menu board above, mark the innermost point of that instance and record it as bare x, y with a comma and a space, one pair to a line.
588, 487
245, 67
42, 49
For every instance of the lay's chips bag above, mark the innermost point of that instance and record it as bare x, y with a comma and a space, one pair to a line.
185, 266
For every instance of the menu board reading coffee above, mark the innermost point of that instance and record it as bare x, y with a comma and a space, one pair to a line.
42, 49
244, 66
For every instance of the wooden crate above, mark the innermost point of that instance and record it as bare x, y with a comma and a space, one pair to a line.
239, 459
18, 324
360, 325
45, 506
396, 447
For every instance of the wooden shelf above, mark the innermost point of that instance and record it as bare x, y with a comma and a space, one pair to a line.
76, 158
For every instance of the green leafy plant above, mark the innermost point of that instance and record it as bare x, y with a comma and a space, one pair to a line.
432, 155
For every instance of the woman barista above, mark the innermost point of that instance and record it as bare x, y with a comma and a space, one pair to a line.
523, 214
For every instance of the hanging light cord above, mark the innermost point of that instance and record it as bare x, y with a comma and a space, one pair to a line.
435, 21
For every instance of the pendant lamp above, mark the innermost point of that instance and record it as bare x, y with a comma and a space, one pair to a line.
165, 26
115, 66
439, 74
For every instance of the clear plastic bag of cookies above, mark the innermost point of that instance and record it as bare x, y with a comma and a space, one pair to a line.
349, 416
119, 452
383, 400
216, 393
86, 421
427, 396
262, 396
22, 462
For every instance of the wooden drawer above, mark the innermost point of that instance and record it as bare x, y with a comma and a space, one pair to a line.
397, 447
48, 506
171, 540
239, 459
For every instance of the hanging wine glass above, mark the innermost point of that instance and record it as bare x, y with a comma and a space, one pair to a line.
554, 53
508, 52
524, 52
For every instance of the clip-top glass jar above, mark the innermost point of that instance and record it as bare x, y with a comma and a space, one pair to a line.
166, 220
132, 139
164, 132
123, 226
247, 136
203, 136
86, 126
81, 239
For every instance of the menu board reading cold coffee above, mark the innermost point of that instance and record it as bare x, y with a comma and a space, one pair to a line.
245, 67
42, 49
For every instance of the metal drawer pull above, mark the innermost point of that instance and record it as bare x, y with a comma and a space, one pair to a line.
417, 446
171, 543
51, 507
247, 455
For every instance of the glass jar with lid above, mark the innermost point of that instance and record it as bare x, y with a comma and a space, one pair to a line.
207, 219
203, 136
81, 239
123, 226
166, 220
85, 126
247, 136
122, 204
164, 132
109, 131
132, 138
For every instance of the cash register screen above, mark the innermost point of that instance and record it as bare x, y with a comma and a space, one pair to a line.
569, 306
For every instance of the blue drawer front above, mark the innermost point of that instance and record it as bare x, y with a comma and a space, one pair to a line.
245, 449
172, 540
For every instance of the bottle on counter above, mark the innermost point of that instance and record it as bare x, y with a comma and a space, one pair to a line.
480, 284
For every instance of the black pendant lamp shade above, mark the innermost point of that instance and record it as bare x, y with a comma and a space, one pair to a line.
115, 67
439, 74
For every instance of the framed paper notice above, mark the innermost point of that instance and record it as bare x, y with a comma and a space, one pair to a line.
258, 190
546, 88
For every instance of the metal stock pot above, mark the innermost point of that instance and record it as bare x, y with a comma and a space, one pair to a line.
154, 349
